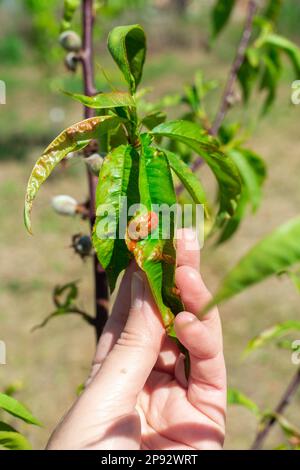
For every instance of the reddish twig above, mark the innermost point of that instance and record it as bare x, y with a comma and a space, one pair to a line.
283, 403
101, 289
238, 61
229, 88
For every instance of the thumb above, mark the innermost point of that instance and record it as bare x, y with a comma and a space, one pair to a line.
128, 365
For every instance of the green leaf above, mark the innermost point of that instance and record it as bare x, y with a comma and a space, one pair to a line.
127, 45
12, 388
220, 15
187, 177
253, 56
11, 439
65, 311
235, 397
273, 9
15, 408
118, 178
222, 165
153, 119
156, 254
287, 46
253, 172
288, 344
72, 139
64, 295
272, 255
114, 99
247, 76
232, 224
271, 77
274, 332
228, 133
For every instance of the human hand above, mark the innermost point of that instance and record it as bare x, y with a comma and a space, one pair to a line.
137, 396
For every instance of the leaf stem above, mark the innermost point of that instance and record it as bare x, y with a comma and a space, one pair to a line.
283, 403
101, 288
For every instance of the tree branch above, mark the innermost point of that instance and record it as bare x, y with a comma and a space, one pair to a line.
239, 59
283, 403
229, 88
101, 289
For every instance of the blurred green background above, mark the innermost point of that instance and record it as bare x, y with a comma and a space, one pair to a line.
52, 362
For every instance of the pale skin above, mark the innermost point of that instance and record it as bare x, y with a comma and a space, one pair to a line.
137, 396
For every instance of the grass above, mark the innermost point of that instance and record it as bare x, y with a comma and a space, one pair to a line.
52, 362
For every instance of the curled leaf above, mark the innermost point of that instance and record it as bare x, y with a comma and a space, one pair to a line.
291, 49
221, 14
15, 408
114, 99
253, 172
127, 45
190, 181
235, 397
72, 139
12, 439
274, 332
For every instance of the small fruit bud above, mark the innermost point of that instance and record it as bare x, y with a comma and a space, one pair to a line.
94, 163
82, 245
70, 41
71, 61
64, 205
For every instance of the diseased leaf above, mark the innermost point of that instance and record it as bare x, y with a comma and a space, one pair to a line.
12, 439
114, 99
72, 139
235, 397
156, 254
187, 177
222, 165
127, 45
118, 178
220, 15
274, 332
272, 255
15, 408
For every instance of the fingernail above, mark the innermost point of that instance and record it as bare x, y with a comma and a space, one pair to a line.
137, 291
